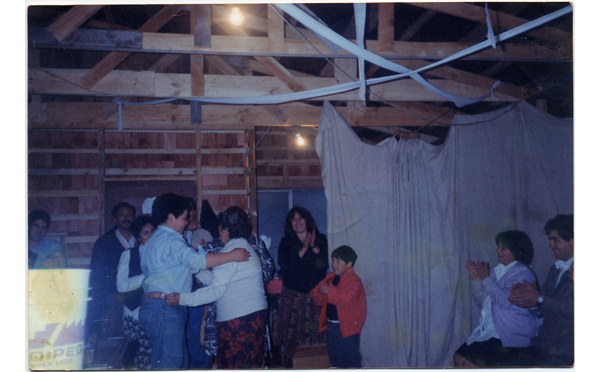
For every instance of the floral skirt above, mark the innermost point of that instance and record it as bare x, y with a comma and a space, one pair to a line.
241, 341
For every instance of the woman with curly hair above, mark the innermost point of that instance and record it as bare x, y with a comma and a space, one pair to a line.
303, 262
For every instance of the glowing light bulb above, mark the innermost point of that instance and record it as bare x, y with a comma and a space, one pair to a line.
300, 140
236, 16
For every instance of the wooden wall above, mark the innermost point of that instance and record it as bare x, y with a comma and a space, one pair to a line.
281, 163
70, 172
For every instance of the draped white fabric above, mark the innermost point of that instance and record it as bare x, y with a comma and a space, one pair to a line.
415, 212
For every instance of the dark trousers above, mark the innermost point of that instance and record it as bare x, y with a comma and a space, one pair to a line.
343, 351
533, 356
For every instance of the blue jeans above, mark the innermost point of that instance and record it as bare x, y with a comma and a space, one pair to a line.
165, 326
198, 358
343, 351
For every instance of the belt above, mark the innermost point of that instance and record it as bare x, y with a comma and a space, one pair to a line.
151, 295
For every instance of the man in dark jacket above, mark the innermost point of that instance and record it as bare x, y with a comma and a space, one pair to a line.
554, 343
105, 311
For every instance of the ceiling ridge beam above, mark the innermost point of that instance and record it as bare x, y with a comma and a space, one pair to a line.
152, 42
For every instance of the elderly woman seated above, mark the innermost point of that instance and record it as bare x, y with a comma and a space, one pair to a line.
237, 288
503, 327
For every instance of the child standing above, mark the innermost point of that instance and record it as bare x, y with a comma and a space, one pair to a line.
344, 309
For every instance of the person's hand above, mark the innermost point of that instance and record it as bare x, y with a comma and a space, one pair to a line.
472, 269
517, 288
525, 295
483, 270
203, 242
240, 255
172, 299
324, 288
571, 274
194, 225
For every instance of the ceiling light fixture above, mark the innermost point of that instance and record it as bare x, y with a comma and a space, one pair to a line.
300, 140
236, 16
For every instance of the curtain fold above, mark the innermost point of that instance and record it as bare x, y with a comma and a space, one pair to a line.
415, 212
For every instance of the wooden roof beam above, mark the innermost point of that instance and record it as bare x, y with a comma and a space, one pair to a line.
273, 42
113, 59
501, 20
71, 20
468, 78
86, 115
385, 32
150, 84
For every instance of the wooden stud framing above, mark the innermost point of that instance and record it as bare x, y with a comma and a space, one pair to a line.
71, 20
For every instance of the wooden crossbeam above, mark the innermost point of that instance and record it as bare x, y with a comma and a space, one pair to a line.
501, 20
465, 77
84, 115
164, 62
152, 42
71, 20
112, 60
149, 84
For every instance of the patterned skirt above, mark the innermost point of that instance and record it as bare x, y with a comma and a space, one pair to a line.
296, 322
241, 341
135, 332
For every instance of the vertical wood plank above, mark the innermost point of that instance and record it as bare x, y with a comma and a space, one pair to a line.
101, 185
35, 106
200, 18
386, 27
251, 184
276, 30
197, 70
199, 170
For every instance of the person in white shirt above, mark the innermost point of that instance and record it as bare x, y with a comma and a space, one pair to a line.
129, 281
237, 288
504, 329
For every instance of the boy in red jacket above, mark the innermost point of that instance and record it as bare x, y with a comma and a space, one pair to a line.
344, 309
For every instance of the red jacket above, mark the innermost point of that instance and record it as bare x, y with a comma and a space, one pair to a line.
349, 298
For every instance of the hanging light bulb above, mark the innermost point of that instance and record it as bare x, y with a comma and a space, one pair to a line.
300, 140
236, 16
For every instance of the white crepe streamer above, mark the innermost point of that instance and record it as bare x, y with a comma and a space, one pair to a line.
351, 47
490, 31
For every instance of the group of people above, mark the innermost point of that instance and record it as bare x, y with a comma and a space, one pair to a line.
522, 324
154, 277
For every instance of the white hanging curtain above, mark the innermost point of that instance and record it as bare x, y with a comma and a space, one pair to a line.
415, 212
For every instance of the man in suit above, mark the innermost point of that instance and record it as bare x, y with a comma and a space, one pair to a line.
554, 343
105, 310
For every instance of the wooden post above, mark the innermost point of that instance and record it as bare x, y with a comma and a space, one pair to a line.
101, 185
200, 17
199, 170
250, 163
386, 28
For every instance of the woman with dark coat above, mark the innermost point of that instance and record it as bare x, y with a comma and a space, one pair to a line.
303, 262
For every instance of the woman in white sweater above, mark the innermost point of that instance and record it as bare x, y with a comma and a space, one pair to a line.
238, 290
